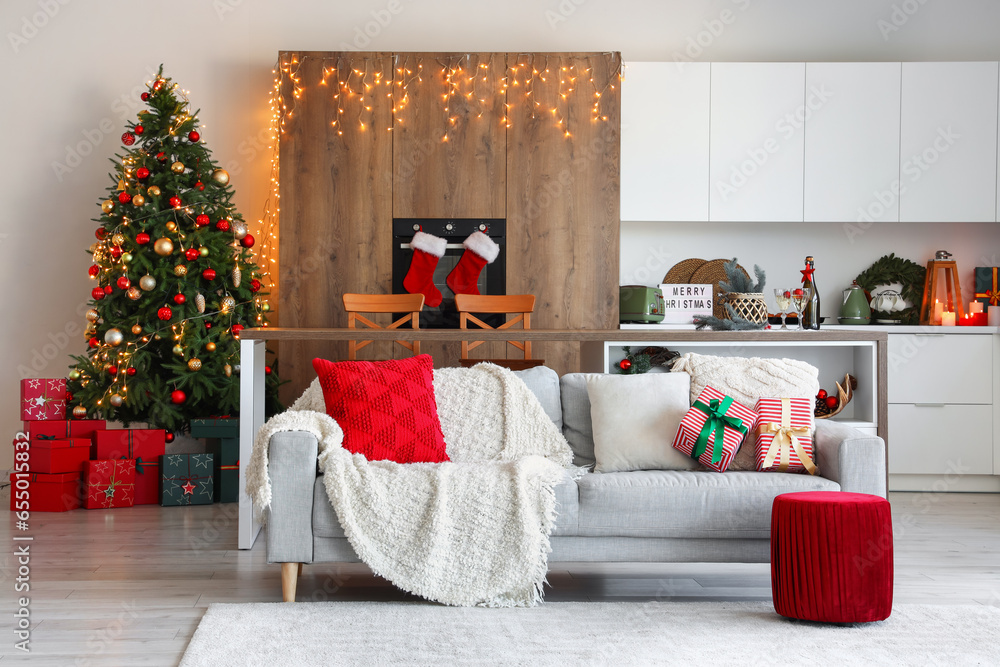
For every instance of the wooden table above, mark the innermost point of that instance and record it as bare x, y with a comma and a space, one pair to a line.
252, 367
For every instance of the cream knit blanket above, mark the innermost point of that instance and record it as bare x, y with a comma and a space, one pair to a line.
474, 531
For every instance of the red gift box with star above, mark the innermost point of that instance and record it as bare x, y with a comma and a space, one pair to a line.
187, 479
43, 399
109, 484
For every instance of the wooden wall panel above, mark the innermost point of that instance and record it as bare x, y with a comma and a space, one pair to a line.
336, 204
563, 196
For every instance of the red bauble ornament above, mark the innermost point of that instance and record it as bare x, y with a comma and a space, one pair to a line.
144, 97
139, 129
179, 299
93, 342
124, 197
254, 285
175, 201
192, 254
236, 329
208, 274
69, 396
128, 138
142, 173
123, 282
116, 251
169, 437
177, 397
193, 135
222, 225
624, 364
202, 220
208, 325
821, 394
165, 313
94, 270
113, 370
97, 293
161, 156
130, 371
267, 370
831, 401
142, 238
247, 241
199, 185
101, 233
158, 84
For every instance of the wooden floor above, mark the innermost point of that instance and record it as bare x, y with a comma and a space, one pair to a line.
128, 586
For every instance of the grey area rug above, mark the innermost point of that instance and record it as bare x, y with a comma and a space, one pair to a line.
584, 633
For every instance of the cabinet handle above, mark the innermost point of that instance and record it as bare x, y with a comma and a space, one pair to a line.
928, 405
930, 335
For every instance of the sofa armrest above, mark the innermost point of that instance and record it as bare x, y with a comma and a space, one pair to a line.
851, 458
292, 469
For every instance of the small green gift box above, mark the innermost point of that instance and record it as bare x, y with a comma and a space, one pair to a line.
187, 479
227, 468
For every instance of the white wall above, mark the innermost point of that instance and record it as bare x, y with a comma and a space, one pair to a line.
66, 72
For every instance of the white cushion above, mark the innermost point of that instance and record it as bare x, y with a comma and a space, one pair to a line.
635, 418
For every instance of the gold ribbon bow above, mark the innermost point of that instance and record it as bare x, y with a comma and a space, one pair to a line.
785, 440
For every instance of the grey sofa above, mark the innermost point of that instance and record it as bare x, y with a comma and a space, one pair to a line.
641, 516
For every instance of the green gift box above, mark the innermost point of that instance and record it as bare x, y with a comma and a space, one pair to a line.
987, 289
187, 479
227, 468
215, 428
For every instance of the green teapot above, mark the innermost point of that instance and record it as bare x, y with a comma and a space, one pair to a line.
855, 309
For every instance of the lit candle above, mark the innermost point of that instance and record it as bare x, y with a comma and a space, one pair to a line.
975, 307
948, 319
938, 310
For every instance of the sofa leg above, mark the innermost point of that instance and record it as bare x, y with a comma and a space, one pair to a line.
300, 568
289, 578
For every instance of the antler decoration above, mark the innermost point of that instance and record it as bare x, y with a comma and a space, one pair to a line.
845, 393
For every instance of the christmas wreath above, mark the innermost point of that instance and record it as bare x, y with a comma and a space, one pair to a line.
891, 269
636, 363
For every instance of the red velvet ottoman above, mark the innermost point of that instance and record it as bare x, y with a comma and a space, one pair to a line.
831, 556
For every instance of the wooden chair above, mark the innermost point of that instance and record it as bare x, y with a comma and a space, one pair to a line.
411, 304
520, 304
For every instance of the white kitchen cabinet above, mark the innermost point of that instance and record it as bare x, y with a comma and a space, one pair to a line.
852, 142
940, 368
948, 142
664, 141
940, 439
757, 137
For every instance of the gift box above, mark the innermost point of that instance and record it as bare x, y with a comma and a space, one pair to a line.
784, 435
129, 443
43, 399
227, 468
109, 484
713, 429
57, 455
987, 290
43, 492
147, 481
186, 479
223, 427
62, 428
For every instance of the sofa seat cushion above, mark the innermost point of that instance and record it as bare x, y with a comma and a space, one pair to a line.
685, 504
326, 524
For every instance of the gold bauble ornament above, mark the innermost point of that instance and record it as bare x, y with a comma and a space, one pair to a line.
203, 251
138, 200
227, 303
134, 293
137, 329
210, 346
114, 337
220, 176
177, 167
228, 370
147, 283
171, 225
178, 350
153, 191
194, 364
157, 337
180, 270
127, 257
74, 375
237, 276
118, 238
92, 315
265, 307
116, 400
108, 205
91, 330
79, 412
239, 229
163, 246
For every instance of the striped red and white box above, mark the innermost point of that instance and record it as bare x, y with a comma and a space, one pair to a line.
713, 401
784, 435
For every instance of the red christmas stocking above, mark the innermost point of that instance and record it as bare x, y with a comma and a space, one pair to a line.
427, 250
480, 250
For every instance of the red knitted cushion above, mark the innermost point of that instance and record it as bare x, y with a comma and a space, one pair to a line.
385, 408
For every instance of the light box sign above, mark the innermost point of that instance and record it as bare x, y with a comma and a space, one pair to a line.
682, 302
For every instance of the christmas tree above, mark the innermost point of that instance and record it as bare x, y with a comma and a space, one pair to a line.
175, 280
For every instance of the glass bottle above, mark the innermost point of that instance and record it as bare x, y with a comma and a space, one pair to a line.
811, 313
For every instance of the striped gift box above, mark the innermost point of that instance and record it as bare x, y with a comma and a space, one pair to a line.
711, 413
784, 435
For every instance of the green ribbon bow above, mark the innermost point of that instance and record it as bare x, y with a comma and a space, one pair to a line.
716, 421
45, 437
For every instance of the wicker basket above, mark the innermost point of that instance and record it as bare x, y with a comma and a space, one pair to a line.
748, 305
